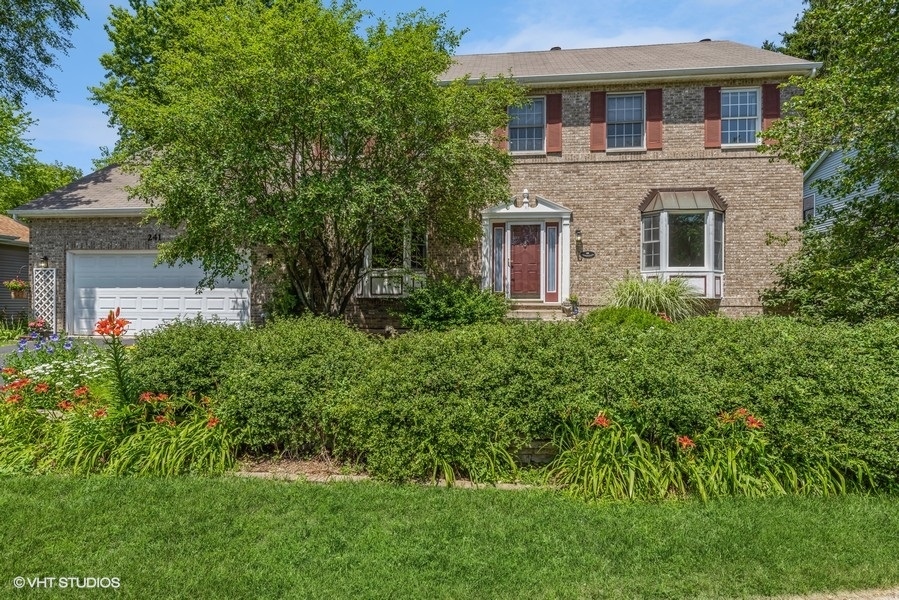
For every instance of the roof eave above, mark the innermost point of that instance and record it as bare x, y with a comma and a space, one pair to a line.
814, 166
779, 71
62, 213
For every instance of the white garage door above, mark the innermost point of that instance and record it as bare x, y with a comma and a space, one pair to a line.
148, 296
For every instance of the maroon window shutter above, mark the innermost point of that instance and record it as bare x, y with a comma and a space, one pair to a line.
770, 105
654, 119
501, 138
554, 122
597, 121
713, 117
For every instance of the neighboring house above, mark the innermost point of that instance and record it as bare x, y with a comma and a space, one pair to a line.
826, 167
13, 263
627, 160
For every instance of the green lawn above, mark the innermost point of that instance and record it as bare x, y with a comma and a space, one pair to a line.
238, 538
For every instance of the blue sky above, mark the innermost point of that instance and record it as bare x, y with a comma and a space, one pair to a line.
71, 130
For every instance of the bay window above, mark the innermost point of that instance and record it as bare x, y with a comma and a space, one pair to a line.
682, 235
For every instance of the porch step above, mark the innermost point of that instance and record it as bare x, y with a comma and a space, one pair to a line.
537, 312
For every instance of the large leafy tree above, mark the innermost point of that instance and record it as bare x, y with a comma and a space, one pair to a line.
23, 177
850, 271
32, 32
852, 106
278, 125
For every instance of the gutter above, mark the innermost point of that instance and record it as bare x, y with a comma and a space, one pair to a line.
63, 213
661, 74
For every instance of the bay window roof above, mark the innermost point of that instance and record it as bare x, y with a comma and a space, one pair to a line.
682, 199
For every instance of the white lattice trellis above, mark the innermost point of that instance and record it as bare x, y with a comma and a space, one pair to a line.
43, 296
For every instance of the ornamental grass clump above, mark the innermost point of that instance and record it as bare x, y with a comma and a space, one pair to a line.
673, 299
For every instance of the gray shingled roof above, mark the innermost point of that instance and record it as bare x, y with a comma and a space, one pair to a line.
101, 192
659, 61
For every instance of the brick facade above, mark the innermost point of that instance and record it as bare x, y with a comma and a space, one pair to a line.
604, 191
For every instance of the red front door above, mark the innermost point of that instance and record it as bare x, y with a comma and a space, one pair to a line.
525, 261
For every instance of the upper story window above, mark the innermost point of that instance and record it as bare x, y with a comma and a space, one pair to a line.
624, 121
527, 126
740, 116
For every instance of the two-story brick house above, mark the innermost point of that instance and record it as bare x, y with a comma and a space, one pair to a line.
627, 160
641, 159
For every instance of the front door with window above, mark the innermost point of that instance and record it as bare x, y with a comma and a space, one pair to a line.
523, 250
524, 278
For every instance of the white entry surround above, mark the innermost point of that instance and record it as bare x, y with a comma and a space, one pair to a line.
149, 296
527, 209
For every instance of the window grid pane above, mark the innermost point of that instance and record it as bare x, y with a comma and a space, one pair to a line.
551, 259
739, 117
651, 246
719, 242
624, 121
686, 240
526, 127
499, 234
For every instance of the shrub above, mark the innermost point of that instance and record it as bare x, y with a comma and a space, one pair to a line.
282, 379
673, 298
186, 356
824, 390
622, 316
462, 401
445, 302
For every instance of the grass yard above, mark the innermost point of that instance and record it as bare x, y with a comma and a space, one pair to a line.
237, 538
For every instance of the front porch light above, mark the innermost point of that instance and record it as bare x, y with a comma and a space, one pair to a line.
43, 263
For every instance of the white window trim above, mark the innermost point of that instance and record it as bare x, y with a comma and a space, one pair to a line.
529, 152
508, 215
758, 117
642, 145
410, 278
712, 279
812, 206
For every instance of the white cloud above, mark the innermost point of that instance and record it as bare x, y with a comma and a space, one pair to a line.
69, 133
66, 123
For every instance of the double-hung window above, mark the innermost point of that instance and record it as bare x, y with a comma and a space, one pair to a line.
740, 116
625, 118
527, 126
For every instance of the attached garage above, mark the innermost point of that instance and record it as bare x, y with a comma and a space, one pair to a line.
148, 295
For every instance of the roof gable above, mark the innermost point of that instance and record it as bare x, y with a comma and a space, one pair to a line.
101, 192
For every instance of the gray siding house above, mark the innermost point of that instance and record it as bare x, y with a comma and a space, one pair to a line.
814, 202
14, 238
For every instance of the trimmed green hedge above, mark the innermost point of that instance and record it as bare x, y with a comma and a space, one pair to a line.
463, 400
183, 357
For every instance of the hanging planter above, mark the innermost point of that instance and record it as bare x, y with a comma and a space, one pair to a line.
18, 288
